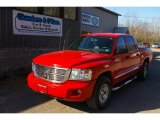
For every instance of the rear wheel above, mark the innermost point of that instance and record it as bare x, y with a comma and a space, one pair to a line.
101, 94
144, 72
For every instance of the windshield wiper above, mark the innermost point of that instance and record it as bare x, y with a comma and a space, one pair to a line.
93, 50
88, 50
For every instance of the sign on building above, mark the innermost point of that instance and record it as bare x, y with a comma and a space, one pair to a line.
34, 24
89, 19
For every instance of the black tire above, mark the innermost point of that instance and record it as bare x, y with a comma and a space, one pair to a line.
103, 86
143, 72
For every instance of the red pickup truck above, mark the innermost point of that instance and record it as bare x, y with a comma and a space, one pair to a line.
90, 69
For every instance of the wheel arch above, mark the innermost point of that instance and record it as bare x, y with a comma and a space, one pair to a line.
146, 60
106, 73
92, 102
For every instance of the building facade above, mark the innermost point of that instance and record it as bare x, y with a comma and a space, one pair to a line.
26, 32
17, 48
97, 19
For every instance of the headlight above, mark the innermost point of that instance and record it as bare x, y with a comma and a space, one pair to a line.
81, 74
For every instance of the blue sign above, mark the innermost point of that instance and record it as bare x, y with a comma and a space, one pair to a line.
34, 24
32, 18
89, 19
94, 20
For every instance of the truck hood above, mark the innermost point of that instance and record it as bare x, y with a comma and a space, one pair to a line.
68, 58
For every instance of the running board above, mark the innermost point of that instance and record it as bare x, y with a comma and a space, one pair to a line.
127, 82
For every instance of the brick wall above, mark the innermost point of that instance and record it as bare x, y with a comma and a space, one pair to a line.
12, 59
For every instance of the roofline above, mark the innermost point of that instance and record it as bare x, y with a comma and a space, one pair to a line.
106, 10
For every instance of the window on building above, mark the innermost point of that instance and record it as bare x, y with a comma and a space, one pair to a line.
29, 9
131, 43
63, 12
52, 11
70, 13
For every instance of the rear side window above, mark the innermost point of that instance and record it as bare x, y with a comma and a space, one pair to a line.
131, 43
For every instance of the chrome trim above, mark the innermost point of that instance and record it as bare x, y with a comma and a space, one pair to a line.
126, 72
127, 82
54, 74
117, 60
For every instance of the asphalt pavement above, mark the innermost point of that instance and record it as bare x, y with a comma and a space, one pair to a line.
138, 96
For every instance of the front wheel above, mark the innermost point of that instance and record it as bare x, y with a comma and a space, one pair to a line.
101, 94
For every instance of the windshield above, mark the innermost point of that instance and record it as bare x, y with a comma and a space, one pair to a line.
93, 43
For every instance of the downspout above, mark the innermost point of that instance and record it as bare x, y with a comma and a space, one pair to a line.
60, 43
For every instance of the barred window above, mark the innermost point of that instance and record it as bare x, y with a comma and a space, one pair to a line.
70, 13
28, 9
52, 11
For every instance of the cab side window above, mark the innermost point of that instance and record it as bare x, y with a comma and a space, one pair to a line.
121, 45
131, 43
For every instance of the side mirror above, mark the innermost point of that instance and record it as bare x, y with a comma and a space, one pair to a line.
121, 51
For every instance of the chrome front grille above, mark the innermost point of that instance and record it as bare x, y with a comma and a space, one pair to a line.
53, 74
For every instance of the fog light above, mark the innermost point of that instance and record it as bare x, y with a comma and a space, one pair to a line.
75, 92
78, 92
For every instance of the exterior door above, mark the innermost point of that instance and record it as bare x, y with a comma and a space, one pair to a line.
134, 53
121, 61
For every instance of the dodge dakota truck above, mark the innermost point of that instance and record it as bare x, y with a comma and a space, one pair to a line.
90, 68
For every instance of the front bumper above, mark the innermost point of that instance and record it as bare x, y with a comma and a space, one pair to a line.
70, 90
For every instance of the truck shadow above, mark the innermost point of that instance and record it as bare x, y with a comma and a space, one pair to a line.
138, 96
15, 96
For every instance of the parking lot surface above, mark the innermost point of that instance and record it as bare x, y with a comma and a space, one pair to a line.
136, 97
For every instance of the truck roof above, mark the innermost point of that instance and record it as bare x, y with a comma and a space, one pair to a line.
105, 34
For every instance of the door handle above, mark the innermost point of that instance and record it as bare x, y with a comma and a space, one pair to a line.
117, 60
137, 54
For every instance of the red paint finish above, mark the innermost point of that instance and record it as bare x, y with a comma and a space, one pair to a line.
118, 66
66, 91
68, 58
